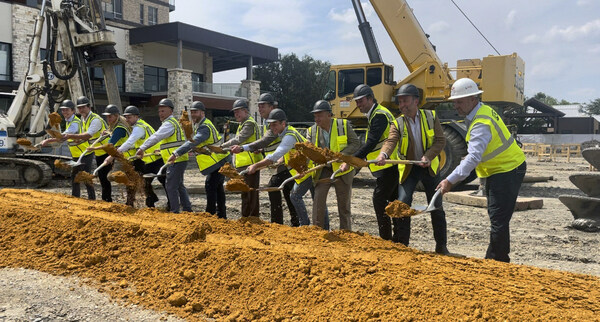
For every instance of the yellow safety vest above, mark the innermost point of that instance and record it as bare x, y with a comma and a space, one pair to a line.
338, 140
86, 125
130, 152
269, 149
76, 148
206, 161
170, 144
375, 153
290, 130
502, 153
427, 137
247, 158
148, 131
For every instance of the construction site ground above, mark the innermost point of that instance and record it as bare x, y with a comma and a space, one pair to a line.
57, 252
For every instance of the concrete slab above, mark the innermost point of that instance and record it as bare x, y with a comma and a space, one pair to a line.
464, 198
582, 207
592, 155
588, 182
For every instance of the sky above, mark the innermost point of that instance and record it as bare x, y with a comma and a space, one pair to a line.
559, 40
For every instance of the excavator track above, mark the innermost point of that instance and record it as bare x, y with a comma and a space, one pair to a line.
18, 172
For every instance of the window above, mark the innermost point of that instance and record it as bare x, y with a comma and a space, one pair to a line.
97, 78
373, 76
142, 14
152, 15
348, 80
113, 9
197, 80
5, 62
155, 79
58, 56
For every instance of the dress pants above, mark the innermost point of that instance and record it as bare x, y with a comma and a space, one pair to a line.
275, 198
502, 190
86, 165
405, 194
386, 191
215, 194
103, 177
343, 193
250, 202
176, 190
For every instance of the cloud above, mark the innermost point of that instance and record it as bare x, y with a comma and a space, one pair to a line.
438, 27
570, 33
594, 50
275, 16
348, 15
582, 3
548, 69
510, 19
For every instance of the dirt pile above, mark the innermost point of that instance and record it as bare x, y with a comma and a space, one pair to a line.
196, 266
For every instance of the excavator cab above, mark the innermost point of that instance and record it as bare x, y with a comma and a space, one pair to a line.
344, 78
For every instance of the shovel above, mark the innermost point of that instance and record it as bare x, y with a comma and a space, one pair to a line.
331, 179
160, 171
95, 173
135, 157
299, 175
217, 149
432, 205
398, 161
78, 163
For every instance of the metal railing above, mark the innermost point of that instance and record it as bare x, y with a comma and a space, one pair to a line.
221, 89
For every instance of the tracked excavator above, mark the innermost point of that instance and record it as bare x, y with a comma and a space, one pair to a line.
501, 77
76, 30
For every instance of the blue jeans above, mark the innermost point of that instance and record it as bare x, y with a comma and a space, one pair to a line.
176, 191
296, 196
502, 190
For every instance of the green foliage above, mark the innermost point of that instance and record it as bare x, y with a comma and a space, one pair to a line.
591, 108
296, 83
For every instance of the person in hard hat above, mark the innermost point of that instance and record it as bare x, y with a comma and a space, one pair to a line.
419, 136
268, 144
336, 135
170, 136
93, 127
289, 137
119, 131
248, 131
77, 148
151, 163
209, 164
386, 185
495, 156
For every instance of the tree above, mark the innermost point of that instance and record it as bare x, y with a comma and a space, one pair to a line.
591, 108
296, 83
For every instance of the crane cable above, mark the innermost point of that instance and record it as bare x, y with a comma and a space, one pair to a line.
459, 9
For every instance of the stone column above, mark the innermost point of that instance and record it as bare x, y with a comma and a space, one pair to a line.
180, 89
22, 32
253, 88
134, 67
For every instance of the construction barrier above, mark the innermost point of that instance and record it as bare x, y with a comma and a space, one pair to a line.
549, 152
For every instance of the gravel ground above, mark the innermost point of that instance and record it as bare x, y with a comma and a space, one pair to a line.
541, 238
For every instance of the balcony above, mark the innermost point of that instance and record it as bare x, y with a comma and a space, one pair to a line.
228, 90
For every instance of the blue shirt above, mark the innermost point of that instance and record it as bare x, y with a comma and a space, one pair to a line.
117, 134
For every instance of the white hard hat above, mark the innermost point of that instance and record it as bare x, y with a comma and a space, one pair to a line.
464, 87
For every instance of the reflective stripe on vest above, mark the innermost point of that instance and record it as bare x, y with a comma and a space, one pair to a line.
375, 153
86, 125
269, 149
502, 153
77, 148
427, 136
148, 131
247, 158
338, 140
206, 161
290, 130
170, 144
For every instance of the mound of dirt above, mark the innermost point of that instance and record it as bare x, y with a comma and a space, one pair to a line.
198, 266
398, 209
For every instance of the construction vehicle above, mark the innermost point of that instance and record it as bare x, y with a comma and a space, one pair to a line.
77, 31
501, 77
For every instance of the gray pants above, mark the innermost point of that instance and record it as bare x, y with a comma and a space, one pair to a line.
176, 191
86, 165
343, 193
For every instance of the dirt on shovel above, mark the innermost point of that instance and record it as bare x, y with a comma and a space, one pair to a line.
186, 125
59, 164
229, 171
318, 155
398, 209
84, 177
238, 185
54, 119
23, 142
298, 161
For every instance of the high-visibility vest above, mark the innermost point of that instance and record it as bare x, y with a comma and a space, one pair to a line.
375, 153
338, 140
148, 131
76, 148
427, 137
247, 158
502, 153
291, 131
269, 149
130, 152
86, 125
170, 144
205, 161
